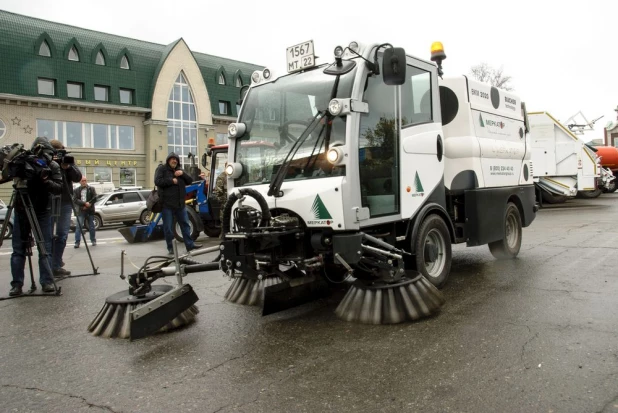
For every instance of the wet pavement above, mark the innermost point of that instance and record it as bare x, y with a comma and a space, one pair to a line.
535, 334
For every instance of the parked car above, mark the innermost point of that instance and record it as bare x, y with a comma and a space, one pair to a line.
119, 206
3, 211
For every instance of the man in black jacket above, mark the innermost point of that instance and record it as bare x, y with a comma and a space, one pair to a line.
171, 180
84, 198
70, 174
39, 191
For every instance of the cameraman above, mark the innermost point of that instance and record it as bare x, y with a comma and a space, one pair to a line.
70, 174
48, 180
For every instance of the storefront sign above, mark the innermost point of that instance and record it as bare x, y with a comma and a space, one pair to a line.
96, 162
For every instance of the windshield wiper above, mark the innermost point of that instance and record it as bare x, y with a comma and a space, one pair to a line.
277, 180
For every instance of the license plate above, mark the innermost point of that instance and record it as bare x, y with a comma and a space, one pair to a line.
300, 56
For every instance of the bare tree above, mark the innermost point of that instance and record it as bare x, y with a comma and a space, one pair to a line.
487, 74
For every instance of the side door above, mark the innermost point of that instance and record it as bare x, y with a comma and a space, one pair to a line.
113, 209
422, 139
217, 167
133, 204
378, 152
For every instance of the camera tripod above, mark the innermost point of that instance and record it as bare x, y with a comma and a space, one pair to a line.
33, 233
56, 210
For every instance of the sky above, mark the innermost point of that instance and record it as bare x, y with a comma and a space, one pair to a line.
562, 56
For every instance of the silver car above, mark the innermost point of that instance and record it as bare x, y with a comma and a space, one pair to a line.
120, 206
9, 227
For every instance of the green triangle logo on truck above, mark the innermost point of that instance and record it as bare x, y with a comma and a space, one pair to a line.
417, 184
481, 121
319, 209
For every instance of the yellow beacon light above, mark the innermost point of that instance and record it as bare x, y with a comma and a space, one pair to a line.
437, 51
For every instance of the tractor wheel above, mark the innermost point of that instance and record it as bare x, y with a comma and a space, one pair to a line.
432, 249
193, 227
211, 229
508, 247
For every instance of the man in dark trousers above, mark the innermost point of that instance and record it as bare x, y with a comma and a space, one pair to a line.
84, 197
40, 189
171, 180
70, 174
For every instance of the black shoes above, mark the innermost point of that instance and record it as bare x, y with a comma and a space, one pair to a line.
15, 291
195, 247
170, 252
61, 272
47, 288
94, 243
76, 245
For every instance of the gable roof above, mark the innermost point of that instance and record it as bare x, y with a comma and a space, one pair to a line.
20, 37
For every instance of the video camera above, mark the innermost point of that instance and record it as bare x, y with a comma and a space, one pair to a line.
63, 157
17, 162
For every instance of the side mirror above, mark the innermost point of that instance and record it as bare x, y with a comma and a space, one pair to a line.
394, 66
108, 203
205, 158
243, 93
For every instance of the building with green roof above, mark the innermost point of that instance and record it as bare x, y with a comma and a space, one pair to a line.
120, 105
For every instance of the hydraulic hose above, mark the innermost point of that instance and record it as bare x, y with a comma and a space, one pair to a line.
227, 210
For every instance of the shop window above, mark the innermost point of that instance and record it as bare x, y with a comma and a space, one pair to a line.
128, 177
102, 174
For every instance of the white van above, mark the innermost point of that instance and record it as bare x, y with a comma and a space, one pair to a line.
100, 187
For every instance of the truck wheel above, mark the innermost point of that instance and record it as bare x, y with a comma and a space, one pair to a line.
611, 189
432, 249
211, 229
508, 247
193, 227
589, 194
553, 199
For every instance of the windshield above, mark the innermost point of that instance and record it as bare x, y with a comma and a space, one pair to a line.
276, 115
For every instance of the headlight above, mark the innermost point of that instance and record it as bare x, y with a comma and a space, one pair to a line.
338, 51
266, 73
233, 170
334, 107
335, 155
256, 77
353, 46
236, 130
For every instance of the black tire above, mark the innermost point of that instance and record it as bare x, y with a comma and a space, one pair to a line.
144, 217
509, 246
193, 227
553, 199
128, 223
432, 249
211, 229
9, 230
589, 194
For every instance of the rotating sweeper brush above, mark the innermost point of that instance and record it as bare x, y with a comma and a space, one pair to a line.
145, 309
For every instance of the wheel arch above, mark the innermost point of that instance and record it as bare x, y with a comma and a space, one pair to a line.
427, 210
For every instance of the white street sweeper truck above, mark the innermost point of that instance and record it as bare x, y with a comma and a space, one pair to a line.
564, 166
374, 167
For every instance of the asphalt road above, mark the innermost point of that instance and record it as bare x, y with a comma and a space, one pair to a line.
535, 334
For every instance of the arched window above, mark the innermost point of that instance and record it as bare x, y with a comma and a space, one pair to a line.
124, 62
100, 60
73, 54
182, 121
44, 49
221, 79
238, 81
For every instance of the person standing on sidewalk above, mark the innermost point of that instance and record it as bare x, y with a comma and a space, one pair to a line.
70, 174
84, 197
171, 180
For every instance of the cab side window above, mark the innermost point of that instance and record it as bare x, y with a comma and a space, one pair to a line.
378, 149
416, 97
